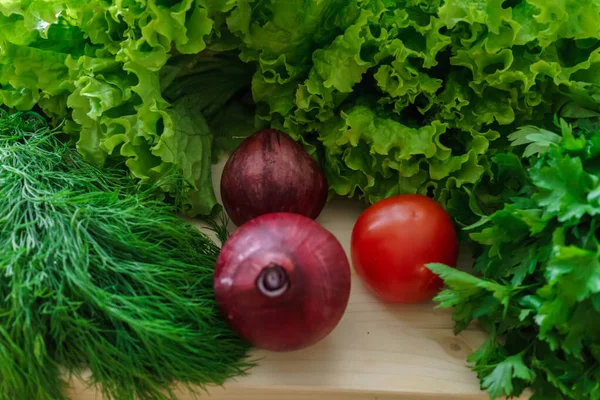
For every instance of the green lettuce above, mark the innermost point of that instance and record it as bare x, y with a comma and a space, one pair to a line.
113, 71
391, 96
413, 96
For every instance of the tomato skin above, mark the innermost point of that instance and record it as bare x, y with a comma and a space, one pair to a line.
394, 239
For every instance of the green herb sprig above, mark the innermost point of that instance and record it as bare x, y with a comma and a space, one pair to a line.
95, 275
536, 282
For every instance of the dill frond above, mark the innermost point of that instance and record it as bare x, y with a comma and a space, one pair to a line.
95, 275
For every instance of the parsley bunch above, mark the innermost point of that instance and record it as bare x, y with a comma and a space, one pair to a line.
535, 285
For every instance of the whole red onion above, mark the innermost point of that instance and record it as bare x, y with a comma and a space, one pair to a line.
282, 282
270, 172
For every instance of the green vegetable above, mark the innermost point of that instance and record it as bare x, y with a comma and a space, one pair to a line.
95, 277
417, 96
125, 75
392, 96
537, 273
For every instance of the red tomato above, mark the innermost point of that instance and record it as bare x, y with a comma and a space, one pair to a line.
394, 239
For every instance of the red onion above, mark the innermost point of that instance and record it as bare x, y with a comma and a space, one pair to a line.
269, 172
282, 282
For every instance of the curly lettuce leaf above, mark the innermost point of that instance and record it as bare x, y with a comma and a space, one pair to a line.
429, 90
478, 68
104, 67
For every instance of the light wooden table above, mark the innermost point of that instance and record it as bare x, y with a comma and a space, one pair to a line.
377, 352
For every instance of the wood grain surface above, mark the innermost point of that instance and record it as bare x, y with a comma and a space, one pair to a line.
377, 352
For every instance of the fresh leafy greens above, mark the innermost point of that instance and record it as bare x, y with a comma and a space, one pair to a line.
98, 276
125, 74
416, 96
392, 96
536, 279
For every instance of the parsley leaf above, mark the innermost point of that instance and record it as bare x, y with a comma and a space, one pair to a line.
500, 382
536, 287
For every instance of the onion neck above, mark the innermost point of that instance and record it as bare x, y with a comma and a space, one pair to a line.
273, 281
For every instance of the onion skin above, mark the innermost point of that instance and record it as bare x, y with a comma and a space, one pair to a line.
304, 259
270, 172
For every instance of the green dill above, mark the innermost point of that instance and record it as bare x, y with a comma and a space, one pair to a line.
97, 276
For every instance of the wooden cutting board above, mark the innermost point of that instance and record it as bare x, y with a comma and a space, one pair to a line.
377, 352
